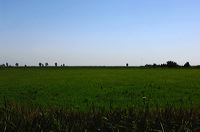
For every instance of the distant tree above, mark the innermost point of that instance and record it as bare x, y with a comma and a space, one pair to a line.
25, 65
7, 64
126, 64
63, 65
172, 64
40, 64
16, 64
163, 65
187, 64
148, 65
56, 64
46, 64
3, 65
154, 65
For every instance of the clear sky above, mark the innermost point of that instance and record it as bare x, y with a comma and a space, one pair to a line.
99, 32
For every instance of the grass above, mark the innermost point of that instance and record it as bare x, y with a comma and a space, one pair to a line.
79, 88
18, 118
99, 99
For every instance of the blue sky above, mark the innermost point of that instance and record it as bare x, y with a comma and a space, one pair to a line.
99, 32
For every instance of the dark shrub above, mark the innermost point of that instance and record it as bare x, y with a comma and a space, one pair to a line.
16, 64
40, 64
172, 64
46, 64
187, 64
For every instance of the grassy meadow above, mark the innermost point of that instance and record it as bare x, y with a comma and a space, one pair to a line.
99, 99
80, 88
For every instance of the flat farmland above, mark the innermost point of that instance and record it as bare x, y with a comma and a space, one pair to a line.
82, 87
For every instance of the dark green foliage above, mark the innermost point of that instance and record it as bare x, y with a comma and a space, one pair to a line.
154, 65
187, 64
40, 64
46, 64
56, 64
2, 65
172, 64
18, 118
16, 64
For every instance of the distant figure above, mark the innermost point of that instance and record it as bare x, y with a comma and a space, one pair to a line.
56, 64
6, 64
126, 64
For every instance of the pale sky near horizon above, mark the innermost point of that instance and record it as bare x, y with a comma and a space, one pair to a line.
99, 32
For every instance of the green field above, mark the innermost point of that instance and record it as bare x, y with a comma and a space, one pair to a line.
80, 88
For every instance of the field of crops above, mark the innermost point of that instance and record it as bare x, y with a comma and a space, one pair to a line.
81, 88
99, 99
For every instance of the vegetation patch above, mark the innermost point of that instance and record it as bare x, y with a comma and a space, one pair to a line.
20, 118
80, 87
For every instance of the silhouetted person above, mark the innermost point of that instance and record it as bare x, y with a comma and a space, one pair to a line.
126, 64
56, 64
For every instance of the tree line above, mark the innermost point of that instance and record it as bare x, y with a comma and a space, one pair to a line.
168, 64
39, 65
